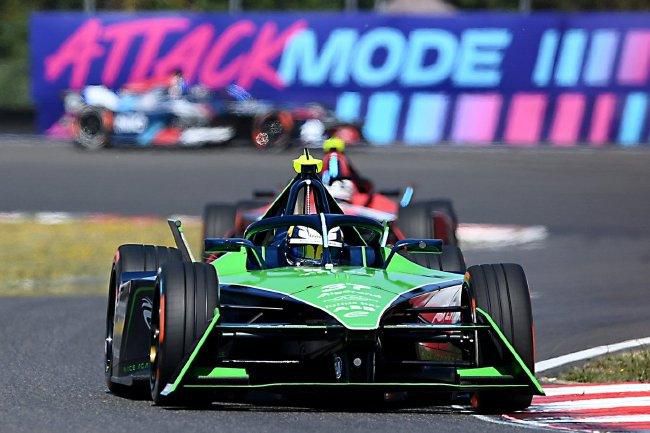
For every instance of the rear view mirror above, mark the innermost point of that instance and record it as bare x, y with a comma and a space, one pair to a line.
231, 245
226, 245
420, 245
415, 246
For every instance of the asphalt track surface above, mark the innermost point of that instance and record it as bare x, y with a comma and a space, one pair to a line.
589, 279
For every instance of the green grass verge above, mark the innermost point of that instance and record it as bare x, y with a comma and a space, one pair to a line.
73, 257
622, 367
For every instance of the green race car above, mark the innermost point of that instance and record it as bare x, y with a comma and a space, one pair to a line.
312, 300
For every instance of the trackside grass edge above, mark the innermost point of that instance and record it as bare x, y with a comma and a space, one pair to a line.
44, 258
631, 366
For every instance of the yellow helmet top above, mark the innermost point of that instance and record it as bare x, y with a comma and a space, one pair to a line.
334, 143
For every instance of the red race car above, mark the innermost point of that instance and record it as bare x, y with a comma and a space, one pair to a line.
356, 195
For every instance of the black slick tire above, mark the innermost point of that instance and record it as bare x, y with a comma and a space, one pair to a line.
218, 221
419, 221
450, 260
501, 290
92, 133
130, 258
185, 298
272, 130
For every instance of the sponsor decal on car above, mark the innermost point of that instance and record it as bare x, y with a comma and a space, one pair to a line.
147, 306
207, 135
133, 367
130, 123
351, 300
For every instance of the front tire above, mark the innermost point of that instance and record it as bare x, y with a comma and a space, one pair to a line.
92, 133
273, 130
429, 220
219, 220
130, 258
450, 260
501, 290
185, 299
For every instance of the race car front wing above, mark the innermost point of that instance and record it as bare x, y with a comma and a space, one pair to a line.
209, 366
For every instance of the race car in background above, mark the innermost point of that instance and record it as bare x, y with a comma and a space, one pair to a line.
311, 300
163, 114
355, 195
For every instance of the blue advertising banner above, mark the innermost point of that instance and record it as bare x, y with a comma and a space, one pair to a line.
476, 78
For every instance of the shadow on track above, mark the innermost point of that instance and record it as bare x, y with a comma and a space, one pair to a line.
332, 402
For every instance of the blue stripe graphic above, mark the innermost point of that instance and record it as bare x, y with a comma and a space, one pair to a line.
147, 136
574, 43
425, 122
348, 106
634, 113
600, 60
383, 117
545, 57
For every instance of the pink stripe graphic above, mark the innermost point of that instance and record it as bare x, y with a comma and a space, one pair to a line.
525, 119
634, 67
601, 119
476, 118
569, 109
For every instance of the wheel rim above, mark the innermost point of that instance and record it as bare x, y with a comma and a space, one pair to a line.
154, 348
90, 125
270, 133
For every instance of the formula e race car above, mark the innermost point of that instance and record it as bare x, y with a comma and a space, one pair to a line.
162, 115
311, 300
355, 195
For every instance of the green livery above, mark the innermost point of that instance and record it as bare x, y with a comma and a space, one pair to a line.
310, 299
356, 296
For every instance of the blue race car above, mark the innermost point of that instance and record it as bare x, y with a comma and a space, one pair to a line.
164, 114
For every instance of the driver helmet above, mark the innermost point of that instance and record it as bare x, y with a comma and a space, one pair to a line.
311, 132
305, 246
341, 190
177, 85
334, 144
